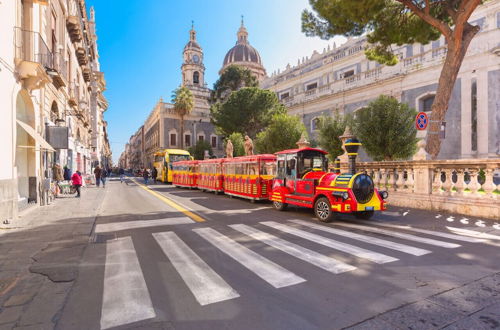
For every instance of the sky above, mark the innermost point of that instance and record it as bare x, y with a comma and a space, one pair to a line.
140, 46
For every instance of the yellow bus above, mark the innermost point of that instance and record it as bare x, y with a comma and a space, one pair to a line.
164, 159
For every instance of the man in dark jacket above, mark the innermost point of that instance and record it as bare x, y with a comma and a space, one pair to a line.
97, 173
104, 175
154, 173
122, 174
67, 173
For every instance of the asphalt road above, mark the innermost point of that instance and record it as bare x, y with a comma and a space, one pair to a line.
203, 261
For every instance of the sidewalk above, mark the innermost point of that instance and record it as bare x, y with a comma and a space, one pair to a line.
39, 257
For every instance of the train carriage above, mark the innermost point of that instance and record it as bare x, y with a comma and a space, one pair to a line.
185, 174
210, 175
249, 176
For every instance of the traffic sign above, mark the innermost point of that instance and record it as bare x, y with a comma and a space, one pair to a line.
421, 121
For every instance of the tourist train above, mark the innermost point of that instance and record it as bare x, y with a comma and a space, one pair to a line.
290, 177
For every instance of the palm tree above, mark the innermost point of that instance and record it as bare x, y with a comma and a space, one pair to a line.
183, 101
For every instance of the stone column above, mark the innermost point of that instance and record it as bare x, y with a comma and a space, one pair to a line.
465, 131
482, 114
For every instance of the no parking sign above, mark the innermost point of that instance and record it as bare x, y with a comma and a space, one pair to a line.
421, 121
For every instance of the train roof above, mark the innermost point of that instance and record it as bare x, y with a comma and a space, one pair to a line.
186, 162
292, 151
251, 158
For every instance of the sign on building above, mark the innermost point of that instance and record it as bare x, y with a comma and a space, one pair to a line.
57, 136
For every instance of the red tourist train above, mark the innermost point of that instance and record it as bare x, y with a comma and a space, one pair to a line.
291, 177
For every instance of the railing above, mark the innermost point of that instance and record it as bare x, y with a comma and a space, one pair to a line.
30, 46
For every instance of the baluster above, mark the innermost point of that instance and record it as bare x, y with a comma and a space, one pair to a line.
410, 181
448, 184
460, 185
376, 178
383, 179
474, 184
400, 181
393, 179
437, 183
488, 185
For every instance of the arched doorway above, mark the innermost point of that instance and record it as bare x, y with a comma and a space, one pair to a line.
25, 150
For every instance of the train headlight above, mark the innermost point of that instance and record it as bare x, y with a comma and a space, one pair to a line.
341, 194
384, 194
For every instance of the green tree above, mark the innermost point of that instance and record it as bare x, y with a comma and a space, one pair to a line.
282, 133
198, 150
387, 129
389, 22
329, 130
232, 79
246, 111
238, 144
183, 101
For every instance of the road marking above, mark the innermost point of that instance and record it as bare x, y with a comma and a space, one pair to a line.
450, 219
126, 225
378, 258
473, 233
401, 235
367, 239
205, 284
125, 296
465, 221
313, 257
429, 232
269, 271
480, 223
170, 202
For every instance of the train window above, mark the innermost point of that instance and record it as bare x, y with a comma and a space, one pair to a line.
268, 168
253, 169
310, 161
281, 166
291, 164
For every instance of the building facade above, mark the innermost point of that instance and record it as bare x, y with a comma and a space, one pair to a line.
51, 98
341, 80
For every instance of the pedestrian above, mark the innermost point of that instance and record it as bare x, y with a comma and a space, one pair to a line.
97, 173
145, 175
58, 176
77, 182
104, 175
154, 173
121, 171
67, 173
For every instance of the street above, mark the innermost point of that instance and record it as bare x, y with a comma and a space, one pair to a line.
163, 257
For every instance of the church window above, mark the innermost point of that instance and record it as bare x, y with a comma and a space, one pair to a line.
348, 73
187, 140
311, 86
173, 139
214, 142
473, 115
196, 77
284, 95
315, 124
427, 103
201, 138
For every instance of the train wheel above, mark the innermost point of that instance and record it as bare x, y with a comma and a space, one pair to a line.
323, 210
365, 215
280, 206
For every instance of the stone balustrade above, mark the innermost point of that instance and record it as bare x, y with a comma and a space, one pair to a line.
466, 186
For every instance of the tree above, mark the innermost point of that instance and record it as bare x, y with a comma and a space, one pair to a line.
198, 150
401, 22
246, 111
238, 144
183, 101
232, 79
386, 128
329, 130
282, 133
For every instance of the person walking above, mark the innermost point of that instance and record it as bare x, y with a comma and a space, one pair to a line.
67, 173
97, 173
121, 171
58, 176
77, 182
104, 175
154, 173
145, 175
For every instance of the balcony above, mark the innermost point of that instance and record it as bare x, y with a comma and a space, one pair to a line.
81, 55
74, 29
58, 71
32, 56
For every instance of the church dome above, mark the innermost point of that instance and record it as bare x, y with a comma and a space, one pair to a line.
245, 55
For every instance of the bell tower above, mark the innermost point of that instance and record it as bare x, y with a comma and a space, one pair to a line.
193, 69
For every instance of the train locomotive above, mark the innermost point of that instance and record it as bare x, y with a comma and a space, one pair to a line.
290, 177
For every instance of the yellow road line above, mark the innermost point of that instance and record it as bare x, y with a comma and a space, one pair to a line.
170, 202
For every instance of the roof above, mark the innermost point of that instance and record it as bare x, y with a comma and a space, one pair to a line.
252, 158
214, 160
292, 151
242, 53
177, 152
186, 162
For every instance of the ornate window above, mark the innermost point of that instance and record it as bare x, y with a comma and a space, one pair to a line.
187, 140
214, 141
54, 112
315, 123
427, 103
196, 77
173, 139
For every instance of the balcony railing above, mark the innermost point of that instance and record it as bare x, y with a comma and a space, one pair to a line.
30, 46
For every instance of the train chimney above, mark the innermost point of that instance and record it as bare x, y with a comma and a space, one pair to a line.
351, 146
336, 166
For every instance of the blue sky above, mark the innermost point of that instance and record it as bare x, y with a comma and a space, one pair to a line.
141, 42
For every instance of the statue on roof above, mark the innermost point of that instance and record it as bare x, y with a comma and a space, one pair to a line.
248, 146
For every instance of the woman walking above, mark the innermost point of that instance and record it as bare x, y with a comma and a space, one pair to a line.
77, 182
145, 175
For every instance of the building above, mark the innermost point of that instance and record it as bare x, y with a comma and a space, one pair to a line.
342, 80
243, 54
51, 98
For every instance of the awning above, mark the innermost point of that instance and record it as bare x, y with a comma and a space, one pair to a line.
44, 144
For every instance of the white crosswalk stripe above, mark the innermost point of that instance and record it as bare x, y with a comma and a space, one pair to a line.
409, 237
127, 225
425, 231
474, 233
269, 271
125, 297
366, 239
344, 247
313, 257
205, 284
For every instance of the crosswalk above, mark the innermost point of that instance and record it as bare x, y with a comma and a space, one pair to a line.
126, 298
